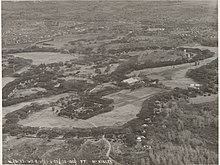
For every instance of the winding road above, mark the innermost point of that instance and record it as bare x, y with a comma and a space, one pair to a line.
109, 150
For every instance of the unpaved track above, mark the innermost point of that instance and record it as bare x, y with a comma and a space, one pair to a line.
109, 150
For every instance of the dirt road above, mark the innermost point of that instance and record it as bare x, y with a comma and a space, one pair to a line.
109, 150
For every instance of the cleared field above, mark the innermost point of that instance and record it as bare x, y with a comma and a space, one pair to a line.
159, 55
8, 109
127, 105
6, 80
127, 96
47, 118
23, 70
45, 57
203, 99
176, 76
17, 148
212, 49
144, 92
27, 92
63, 41
118, 116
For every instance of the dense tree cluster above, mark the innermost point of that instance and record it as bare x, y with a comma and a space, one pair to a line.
30, 49
206, 75
132, 64
15, 64
39, 76
86, 107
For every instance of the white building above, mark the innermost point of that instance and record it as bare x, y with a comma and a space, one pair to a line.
57, 85
139, 138
131, 81
195, 86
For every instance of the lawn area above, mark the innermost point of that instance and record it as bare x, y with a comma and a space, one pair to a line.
47, 118
8, 109
203, 99
6, 80
45, 57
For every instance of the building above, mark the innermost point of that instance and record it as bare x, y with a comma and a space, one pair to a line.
196, 86
57, 85
139, 139
131, 81
187, 55
144, 125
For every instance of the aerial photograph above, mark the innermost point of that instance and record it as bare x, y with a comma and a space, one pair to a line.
118, 82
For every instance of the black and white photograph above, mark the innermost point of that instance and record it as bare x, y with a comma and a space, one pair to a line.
109, 82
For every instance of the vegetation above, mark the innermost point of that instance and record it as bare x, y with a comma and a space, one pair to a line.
177, 130
206, 75
14, 64
86, 107
132, 64
107, 42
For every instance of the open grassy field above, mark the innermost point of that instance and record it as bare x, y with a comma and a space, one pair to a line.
6, 80
118, 116
127, 105
27, 92
45, 57
8, 109
47, 118
16, 148
176, 76
98, 37
203, 99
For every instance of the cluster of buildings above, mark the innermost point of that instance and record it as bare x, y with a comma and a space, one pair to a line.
155, 29
195, 86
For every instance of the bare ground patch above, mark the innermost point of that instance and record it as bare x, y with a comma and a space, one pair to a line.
45, 57
47, 118
203, 99
8, 109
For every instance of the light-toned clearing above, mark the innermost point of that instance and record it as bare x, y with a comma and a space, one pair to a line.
203, 99
158, 55
45, 57
47, 100
27, 92
127, 103
212, 49
47, 118
61, 41
125, 109
127, 106
176, 76
143, 92
6, 80
12, 145
128, 96
24, 69
118, 116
